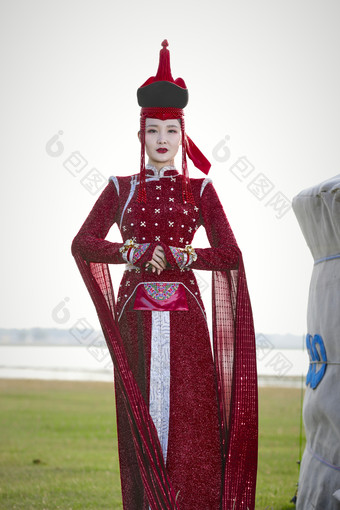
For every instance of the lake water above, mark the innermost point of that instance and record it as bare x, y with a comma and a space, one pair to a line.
285, 367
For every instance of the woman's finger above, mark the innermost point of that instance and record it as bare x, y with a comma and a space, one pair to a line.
160, 261
159, 256
156, 264
158, 251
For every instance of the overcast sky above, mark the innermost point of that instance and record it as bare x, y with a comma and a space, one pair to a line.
264, 103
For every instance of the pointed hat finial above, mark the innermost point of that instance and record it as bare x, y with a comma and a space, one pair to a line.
164, 70
162, 90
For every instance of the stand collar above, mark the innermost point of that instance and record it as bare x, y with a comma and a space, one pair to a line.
165, 171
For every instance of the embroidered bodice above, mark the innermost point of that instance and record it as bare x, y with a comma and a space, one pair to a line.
164, 217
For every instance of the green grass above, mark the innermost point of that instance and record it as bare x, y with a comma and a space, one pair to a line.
58, 446
279, 440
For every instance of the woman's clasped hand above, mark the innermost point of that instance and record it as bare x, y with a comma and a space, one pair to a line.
158, 261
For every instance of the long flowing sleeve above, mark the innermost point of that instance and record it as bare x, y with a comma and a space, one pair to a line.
224, 252
234, 352
92, 255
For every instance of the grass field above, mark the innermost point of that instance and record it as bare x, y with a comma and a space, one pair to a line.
58, 446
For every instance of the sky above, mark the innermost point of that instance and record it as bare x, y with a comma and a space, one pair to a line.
264, 106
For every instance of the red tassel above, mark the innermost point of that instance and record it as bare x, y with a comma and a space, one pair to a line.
142, 189
186, 187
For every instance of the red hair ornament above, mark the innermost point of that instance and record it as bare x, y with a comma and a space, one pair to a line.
162, 97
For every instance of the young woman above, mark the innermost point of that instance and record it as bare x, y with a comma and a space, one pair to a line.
186, 417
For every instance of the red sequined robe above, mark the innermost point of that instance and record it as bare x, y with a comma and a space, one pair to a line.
211, 427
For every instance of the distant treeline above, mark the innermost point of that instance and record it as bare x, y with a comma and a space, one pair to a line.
55, 336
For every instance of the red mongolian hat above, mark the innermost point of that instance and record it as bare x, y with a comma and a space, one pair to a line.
162, 97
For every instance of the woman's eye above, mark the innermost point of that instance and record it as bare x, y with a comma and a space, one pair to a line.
151, 131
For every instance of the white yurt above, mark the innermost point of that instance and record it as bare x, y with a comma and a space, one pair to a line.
318, 212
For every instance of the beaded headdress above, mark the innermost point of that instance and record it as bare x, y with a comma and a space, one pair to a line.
162, 97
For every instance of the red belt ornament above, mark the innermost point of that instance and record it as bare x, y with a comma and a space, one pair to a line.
161, 296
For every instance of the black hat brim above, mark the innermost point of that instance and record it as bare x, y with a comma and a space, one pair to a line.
162, 94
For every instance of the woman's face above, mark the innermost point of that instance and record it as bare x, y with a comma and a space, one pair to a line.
162, 141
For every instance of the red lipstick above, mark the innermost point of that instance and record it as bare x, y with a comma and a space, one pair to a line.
162, 150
